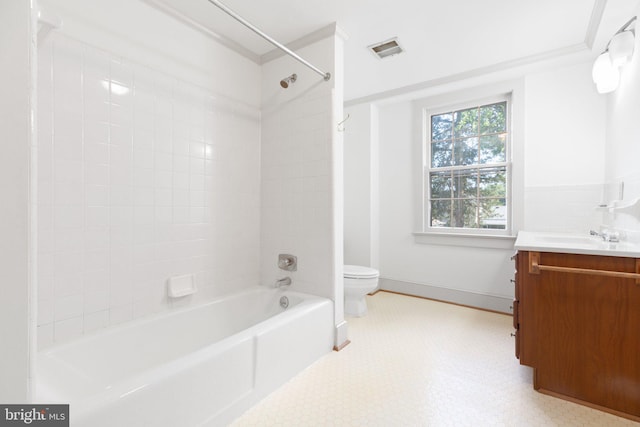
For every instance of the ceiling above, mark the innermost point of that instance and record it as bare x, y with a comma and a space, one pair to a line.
440, 38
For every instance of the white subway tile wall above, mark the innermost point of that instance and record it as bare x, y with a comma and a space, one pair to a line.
141, 176
569, 208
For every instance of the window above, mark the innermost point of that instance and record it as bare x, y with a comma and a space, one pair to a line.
466, 168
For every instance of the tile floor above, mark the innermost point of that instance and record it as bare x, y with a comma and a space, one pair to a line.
416, 362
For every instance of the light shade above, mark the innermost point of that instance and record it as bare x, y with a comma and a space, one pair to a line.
621, 48
605, 75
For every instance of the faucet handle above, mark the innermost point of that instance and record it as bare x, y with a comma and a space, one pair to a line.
607, 236
287, 262
612, 237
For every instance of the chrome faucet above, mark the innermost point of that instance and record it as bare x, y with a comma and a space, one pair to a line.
285, 281
607, 236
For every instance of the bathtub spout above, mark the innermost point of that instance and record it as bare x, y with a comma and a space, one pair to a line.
286, 281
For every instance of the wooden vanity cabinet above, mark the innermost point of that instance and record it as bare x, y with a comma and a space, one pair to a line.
579, 328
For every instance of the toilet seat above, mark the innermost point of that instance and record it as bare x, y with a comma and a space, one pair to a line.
360, 272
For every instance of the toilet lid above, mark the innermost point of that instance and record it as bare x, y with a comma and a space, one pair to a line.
360, 272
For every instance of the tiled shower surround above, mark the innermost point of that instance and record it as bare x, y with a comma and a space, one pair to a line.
296, 189
141, 176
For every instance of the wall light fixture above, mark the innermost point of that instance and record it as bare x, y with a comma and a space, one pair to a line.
619, 50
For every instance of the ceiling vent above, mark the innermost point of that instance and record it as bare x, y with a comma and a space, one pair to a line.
386, 48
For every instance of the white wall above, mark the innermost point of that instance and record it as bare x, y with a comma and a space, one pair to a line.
477, 270
623, 131
565, 147
136, 187
563, 143
137, 31
623, 143
361, 186
565, 120
16, 138
302, 172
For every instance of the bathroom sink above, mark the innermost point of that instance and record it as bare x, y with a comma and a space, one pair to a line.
575, 243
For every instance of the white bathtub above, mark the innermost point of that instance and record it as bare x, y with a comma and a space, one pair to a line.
198, 366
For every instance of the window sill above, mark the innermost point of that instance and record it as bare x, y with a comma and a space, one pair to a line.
466, 240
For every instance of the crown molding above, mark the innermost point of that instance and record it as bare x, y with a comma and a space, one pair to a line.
236, 47
580, 48
594, 22
327, 31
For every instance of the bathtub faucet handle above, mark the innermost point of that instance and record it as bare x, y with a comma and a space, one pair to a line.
285, 281
287, 262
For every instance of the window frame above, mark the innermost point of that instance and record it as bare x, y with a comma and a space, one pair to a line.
427, 114
510, 91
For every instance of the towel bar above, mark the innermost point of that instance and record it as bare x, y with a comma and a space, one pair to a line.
535, 268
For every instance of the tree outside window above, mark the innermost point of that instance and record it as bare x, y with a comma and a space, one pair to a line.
466, 171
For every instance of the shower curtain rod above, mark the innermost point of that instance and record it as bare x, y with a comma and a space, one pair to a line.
277, 44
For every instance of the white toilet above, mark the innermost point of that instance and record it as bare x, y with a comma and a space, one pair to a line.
358, 282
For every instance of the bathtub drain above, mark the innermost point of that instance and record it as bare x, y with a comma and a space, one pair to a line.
284, 302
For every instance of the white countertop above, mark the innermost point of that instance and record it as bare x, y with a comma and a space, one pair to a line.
574, 244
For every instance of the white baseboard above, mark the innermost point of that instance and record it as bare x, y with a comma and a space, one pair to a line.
456, 296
